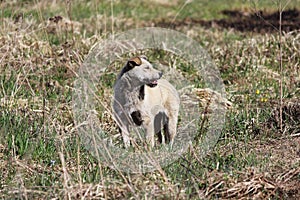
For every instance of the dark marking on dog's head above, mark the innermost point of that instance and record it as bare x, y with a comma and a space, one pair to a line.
135, 61
137, 118
142, 92
131, 63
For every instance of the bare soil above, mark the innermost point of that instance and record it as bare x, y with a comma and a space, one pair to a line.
258, 22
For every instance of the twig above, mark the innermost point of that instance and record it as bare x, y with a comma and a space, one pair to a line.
112, 17
295, 135
281, 69
180, 9
44, 92
69, 11
65, 174
78, 165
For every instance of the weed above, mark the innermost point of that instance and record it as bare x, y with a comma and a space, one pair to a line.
45, 43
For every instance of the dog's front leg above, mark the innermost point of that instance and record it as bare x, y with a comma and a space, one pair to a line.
123, 124
125, 135
150, 135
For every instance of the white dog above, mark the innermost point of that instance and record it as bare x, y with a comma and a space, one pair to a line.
141, 98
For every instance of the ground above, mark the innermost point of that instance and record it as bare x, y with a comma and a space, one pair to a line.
43, 45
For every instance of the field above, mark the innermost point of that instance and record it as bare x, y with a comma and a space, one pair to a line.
255, 47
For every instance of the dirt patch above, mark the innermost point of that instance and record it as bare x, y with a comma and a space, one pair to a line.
258, 22
290, 117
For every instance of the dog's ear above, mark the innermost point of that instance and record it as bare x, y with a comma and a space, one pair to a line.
131, 63
135, 61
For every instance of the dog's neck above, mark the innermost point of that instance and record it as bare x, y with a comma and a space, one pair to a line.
130, 90
127, 84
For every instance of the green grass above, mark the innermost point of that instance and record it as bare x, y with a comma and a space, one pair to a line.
41, 152
140, 10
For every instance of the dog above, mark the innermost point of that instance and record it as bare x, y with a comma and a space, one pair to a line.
142, 98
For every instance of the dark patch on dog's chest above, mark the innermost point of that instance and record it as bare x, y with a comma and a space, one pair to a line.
142, 92
137, 118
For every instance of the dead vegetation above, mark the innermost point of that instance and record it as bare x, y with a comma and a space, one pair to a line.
40, 152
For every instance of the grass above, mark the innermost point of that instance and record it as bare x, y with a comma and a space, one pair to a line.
41, 152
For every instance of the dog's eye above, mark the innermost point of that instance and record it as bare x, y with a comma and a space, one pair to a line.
147, 67
144, 57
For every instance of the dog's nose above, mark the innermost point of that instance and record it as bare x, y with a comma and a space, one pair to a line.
160, 74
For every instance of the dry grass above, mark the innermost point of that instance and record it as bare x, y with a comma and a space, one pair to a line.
40, 151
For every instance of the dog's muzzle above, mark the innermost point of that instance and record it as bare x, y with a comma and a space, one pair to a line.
154, 83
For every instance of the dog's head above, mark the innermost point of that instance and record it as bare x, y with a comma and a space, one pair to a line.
140, 71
